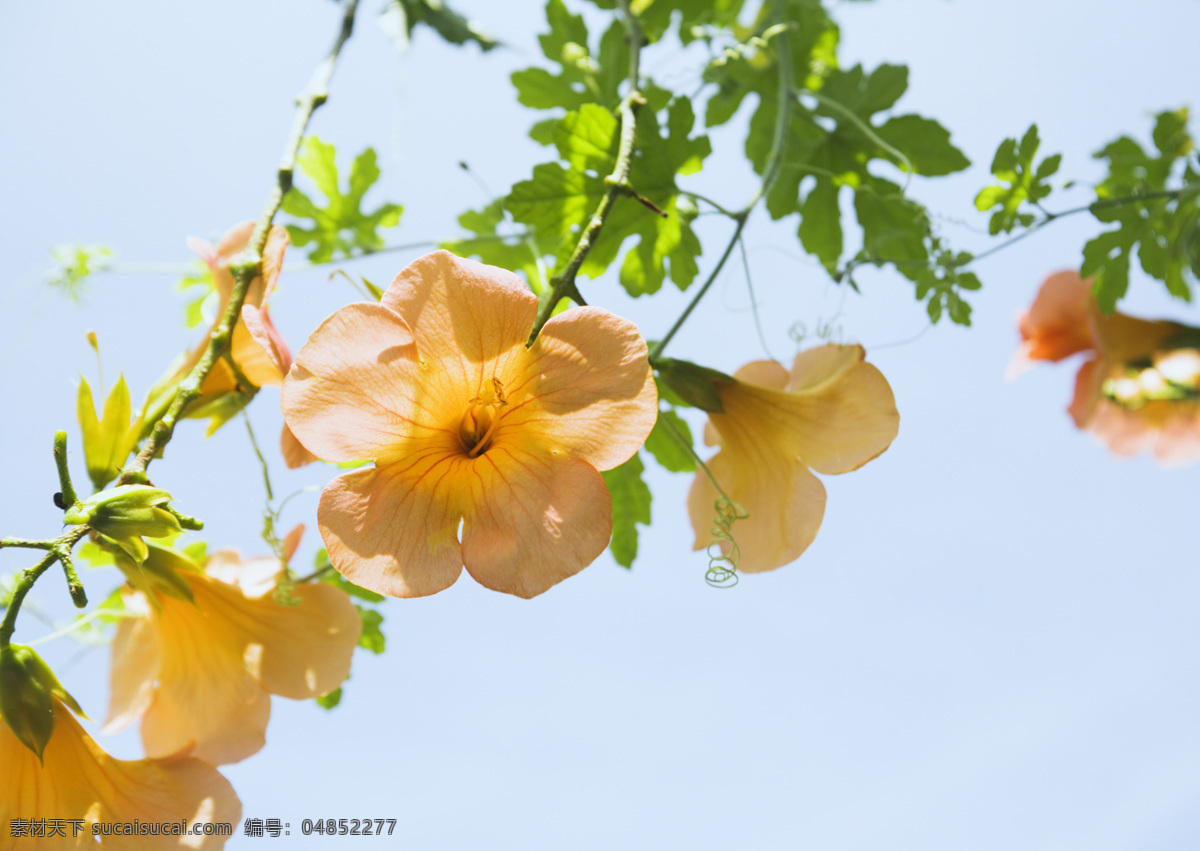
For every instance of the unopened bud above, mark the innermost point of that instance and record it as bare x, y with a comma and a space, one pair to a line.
125, 514
27, 691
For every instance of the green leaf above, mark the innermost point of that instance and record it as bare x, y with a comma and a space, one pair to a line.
1163, 228
372, 636
821, 224
515, 251
581, 76
630, 506
341, 228
1020, 182
402, 16
558, 202
664, 444
926, 144
329, 701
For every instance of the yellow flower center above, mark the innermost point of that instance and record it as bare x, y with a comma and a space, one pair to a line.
479, 421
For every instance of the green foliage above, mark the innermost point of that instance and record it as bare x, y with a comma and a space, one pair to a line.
581, 77
630, 506
329, 701
669, 441
1020, 184
1164, 228
400, 17
340, 228
834, 144
372, 636
558, 202
517, 252
72, 265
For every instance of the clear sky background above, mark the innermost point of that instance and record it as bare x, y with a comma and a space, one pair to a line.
993, 642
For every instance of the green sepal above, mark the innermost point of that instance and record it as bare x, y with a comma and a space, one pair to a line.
694, 384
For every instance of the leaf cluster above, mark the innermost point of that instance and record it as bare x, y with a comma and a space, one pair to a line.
340, 228
1154, 199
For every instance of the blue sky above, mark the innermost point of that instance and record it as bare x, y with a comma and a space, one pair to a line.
992, 643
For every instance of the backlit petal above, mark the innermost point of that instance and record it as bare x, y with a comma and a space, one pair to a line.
842, 415
535, 519
134, 666
784, 501
355, 387
394, 529
470, 320
78, 780
295, 454
1058, 323
207, 703
585, 388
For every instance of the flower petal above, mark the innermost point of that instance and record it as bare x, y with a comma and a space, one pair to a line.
535, 519
470, 321
784, 501
207, 704
134, 666
394, 529
294, 453
840, 416
585, 388
1058, 323
78, 780
1088, 383
355, 388
306, 646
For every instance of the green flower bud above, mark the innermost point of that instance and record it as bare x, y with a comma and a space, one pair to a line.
107, 440
27, 691
694, 384
126, 513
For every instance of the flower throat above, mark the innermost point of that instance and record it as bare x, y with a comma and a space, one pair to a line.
478, 423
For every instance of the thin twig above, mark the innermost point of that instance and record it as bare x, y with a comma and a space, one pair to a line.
248, 266
617, 183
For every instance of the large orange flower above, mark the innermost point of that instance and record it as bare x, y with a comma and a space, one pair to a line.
77, 781
200, 674
1138, 388
832, 413
466, 425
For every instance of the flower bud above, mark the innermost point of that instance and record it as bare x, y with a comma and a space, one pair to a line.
694, 384
126, 513
27, 691
107, 440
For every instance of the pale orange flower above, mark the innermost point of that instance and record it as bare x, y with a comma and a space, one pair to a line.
78, 780
465, 425
200, 675
1137, 389
257, 347
832, 413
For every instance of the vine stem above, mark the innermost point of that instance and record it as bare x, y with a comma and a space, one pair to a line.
248, 266
771, 171
617, 183
244, 270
